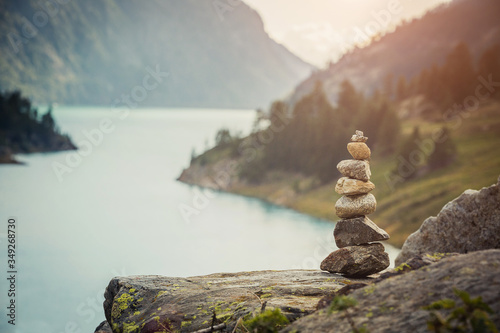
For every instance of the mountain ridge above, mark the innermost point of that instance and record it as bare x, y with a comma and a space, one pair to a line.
411, 47
91, 55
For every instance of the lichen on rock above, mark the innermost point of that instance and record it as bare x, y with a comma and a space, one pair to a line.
189, 304
395, 304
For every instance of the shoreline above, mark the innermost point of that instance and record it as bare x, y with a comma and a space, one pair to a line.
10, 158
260, 198
240, 191
401, 209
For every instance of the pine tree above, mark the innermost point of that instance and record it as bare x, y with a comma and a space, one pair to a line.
401, 89
48, 121
423, 82
388, 133
349, 101
329, 141
438, 91
410, 157
436, 88
411, 142
489, 64
372, 116
459, 73
223, 137
444, 152
389, 86
278, 114
193, 155
412, 87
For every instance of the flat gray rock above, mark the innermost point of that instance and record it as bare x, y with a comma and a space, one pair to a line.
357, 261
357, 231
157, 303
355, 169
353, 206
471, 222
394, 305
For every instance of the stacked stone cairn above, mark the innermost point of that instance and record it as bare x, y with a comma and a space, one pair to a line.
356, 235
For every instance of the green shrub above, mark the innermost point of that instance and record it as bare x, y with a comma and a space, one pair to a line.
473, 316
343, 303
269, 321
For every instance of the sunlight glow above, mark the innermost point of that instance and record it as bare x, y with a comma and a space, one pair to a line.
320, 31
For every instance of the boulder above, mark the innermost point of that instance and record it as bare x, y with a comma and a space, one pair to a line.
350, 186
359, 150
357, 261
356, 169
357, 205
357, 231
157, 303
395, 304
471, 222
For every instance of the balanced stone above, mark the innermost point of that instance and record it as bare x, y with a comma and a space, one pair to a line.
357, 261
359, 150
357, 231
356, 169
350, 186
356, 205
357, 255
359, 137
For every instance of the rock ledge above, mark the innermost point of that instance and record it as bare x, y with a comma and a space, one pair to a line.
153, 303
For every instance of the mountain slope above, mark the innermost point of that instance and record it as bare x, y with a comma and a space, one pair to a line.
401, 207
418, 162
81, 53
412, 47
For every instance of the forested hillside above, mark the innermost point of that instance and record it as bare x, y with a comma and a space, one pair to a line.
411, 47
421, 158
189, 53
24, 130
313, 140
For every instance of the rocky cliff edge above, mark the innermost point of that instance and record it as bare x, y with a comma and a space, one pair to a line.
391, 302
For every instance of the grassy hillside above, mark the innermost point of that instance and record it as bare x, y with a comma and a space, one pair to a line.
402, 209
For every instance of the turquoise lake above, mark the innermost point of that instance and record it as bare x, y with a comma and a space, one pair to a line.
113, 209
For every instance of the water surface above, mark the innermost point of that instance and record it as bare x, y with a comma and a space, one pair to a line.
116, 212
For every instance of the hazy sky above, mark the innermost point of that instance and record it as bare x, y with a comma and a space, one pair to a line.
321, 30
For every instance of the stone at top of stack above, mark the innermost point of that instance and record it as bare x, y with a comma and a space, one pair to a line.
357, 255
